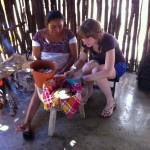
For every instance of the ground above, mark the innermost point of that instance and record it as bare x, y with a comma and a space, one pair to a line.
127, 129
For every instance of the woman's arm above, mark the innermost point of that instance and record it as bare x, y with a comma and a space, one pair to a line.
36, 52
72, 57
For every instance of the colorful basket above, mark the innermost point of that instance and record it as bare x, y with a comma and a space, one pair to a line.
53, 91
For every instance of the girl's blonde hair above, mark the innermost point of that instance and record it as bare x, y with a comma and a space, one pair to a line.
90, 28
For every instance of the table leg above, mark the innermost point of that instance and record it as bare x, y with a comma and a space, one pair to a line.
81, 110
52, 121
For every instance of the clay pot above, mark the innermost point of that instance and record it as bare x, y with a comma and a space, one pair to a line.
40, 77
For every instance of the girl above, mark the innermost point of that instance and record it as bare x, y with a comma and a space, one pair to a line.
106, 61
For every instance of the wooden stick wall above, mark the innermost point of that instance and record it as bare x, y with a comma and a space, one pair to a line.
20, 19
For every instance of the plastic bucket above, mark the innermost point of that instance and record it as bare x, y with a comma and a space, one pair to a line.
40, 77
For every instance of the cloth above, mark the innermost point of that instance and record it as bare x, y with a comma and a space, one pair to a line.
68, 105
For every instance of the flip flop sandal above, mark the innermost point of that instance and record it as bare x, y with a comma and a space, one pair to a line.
28, 135
108, 111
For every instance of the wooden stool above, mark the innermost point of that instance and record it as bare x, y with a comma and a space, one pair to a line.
53, 113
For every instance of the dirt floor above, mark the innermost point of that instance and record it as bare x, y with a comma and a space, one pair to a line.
127, 129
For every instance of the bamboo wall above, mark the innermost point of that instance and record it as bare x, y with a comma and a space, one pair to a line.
20, 19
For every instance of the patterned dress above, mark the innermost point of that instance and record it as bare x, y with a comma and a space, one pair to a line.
58, 52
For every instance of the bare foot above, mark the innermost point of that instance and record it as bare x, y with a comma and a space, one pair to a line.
21, 128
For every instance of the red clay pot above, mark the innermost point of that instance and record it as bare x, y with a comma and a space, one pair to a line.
40, 77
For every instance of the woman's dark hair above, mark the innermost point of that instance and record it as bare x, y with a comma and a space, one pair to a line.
54, 14
90, 28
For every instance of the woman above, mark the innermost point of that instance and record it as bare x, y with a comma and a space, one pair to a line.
55, 43
106, 61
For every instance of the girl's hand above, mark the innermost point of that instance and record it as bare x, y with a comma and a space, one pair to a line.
69, 73
79, 79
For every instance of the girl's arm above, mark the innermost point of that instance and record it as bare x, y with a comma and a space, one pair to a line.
81, 61
108, 70
78, 64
